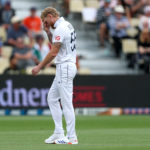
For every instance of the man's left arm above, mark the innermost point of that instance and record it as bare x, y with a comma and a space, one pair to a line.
50, 56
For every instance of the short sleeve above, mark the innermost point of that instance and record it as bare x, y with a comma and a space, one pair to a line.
10, 34
24, 29
58, 35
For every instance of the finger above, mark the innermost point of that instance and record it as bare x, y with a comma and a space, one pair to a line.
45, 24
35, 73
32, 72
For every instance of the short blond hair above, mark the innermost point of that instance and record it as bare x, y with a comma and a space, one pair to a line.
49, 10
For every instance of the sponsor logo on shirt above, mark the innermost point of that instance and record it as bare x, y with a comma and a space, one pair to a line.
57, 38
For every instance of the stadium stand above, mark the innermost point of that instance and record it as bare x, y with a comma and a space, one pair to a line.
129, 46
83, 13
76, 6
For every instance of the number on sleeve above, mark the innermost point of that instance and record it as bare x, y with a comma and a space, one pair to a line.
73, 40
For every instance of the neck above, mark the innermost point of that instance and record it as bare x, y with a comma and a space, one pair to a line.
55, 19
32, 16
40, 44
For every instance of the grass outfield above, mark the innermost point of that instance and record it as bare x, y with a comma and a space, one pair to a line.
94, 133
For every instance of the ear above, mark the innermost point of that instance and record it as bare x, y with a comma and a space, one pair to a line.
49, 15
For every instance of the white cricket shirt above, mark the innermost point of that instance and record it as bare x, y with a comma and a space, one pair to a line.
65, 34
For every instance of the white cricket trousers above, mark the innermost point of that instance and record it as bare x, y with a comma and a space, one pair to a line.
62, 89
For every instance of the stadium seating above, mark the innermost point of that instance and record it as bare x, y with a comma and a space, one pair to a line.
134, 22
4, 63
132, 32
92, 3
4, 60
84, 71
46, 71
6, 51
129, 46
89, 15
76, 6
3, 35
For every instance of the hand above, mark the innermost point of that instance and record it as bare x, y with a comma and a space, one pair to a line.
148, 50
35, 70
118, 26
142, 50
121, 25
108, 13
46, 27
143, 2
28, 55
6, 26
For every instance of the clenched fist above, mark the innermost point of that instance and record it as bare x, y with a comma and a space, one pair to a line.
35, 70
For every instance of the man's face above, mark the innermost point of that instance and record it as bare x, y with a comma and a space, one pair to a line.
145, 24
107, 4
119, 15
48, 21
33, 13
16, 25
7, 6
40, 41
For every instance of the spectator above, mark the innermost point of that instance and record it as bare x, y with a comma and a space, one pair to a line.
33, 22
40, 50
1, 44
119, 2
144, 48
134, 8
113, 3
21, 56
102, 20
6, 13
128, 5
118, 24
144, 42
2, 2
144, 23
66, 8
147, 12
17, 30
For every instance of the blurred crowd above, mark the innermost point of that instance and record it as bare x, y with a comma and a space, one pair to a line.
24, 36
121, 20
126, 19
117, 20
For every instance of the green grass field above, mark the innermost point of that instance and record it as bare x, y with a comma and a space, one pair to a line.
94, 133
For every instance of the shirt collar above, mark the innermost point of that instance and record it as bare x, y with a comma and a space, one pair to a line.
58, 21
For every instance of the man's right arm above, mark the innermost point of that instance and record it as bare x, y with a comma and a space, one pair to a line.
47, 30
49, 36
12, 42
